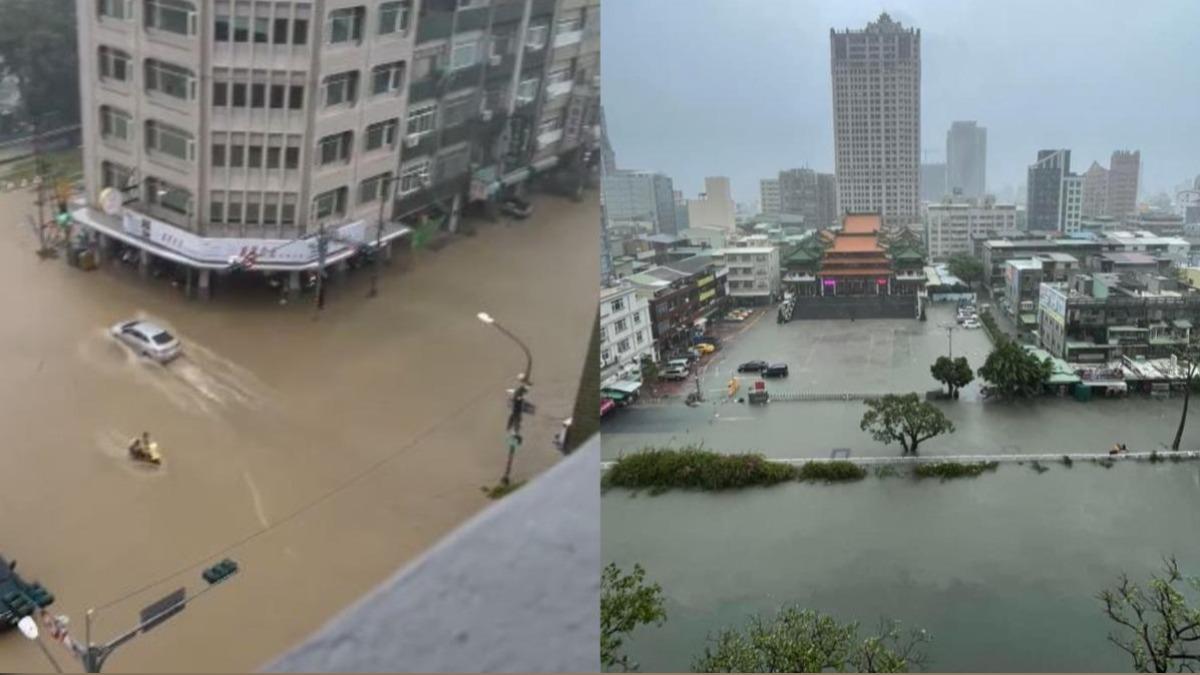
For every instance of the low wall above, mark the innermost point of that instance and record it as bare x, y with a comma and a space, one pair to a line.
865, 307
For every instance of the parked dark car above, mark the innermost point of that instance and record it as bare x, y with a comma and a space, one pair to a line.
18, 598
775, 370
752, 366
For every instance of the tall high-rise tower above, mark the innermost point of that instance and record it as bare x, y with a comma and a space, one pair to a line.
1123, 173
966, 159
877, 119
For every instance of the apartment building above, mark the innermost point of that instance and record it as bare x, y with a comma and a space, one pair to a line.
966, 159
952, 228
308, 132
754, 277
769, 204
625, 333
683, 296
876, 75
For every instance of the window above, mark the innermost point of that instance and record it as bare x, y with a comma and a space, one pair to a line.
216, 207
241, 29
258, 95
569, 24
115, 123
278, 96
345, 25
471, 4
552, 123
291, 157
618, 305
620, 326
281, 32
114, 64
254, 156
464, 53
220, 95
335, 148
341, 88
559, 75
221, 28
170, 79
274, 152
237, 152
374, 188
270, 212
454, 163
299, 35
535, 36
253, 203
239, 94
382, 134
421, 118
296, 96
393, 17
414, 177
387, 78
500, 45
169, 196
233, 210
218, 154
262, 29
623, 345
332, 203
459, 110
114, 9
172, 16
115, 175
169, 140
527, 90
287, 210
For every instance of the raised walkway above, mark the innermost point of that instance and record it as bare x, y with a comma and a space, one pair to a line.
1097, 457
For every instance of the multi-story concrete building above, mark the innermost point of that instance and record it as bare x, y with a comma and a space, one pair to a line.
682, 296
715, 207
1124, 169
1095, 192
1047, 203
1072, 195
625, 333
966, 159
641, 195
307, 132
933, 182
768, 189
1105, 316
952, 227
754, 277
996, 252
808, 196
876, 75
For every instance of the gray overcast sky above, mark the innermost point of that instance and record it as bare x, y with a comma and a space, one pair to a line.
741, 88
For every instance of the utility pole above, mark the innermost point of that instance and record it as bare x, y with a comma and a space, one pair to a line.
322, 247
389, 184
519, 406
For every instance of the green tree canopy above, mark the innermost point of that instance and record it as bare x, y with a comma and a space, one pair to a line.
38, 45
803, 641
626, 601
1158, 628
954, 373
904, 419
966, 267
1014, 372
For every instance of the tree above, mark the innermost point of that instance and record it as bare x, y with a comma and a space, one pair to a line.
803, 641
1161, 632
38, 45
904, 419
626, 602
1189, 360
649, 370
966, 267
1013, 371
955, 374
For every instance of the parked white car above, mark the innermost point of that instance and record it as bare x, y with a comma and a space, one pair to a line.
971, 323
148, 339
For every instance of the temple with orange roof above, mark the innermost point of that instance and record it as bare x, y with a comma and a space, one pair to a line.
860, 259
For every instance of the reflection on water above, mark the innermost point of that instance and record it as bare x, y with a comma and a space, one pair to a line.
1002, 569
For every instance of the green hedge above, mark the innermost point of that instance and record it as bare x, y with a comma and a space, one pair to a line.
831, 472
692, 468
946, 470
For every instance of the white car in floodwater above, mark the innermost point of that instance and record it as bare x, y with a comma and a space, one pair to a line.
148, 339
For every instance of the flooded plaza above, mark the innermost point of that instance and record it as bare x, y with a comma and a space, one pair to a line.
1002, 569
320, 453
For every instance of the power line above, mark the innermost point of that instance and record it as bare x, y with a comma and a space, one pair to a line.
306, 507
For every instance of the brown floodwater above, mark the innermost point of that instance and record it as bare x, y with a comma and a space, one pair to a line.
266, 415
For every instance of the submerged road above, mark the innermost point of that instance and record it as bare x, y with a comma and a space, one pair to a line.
320, 454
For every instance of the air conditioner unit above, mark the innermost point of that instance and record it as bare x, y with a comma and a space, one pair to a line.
411, 141
485, 115
495, 59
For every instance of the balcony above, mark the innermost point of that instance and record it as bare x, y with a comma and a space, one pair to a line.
558, 89
434, 25
549, 137
568, 39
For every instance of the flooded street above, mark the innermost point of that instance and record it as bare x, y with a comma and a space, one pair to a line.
268, 413
1003, 569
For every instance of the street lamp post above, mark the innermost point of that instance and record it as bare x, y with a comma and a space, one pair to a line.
519, 405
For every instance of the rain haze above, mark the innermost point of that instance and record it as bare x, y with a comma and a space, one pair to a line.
697, 88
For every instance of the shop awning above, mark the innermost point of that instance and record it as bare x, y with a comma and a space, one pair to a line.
625, 386
614, 395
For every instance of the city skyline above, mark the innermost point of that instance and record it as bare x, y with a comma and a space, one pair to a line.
978, 64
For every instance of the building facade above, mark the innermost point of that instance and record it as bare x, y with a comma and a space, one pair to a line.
876, 75
952, 228
1124, 170
966, 160
768, 197
1046, 204
682, 297
305, 133
625, 333
809, 196
641, 195
715, 207
933, 182
1072, 196
753, 277
1095, 192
